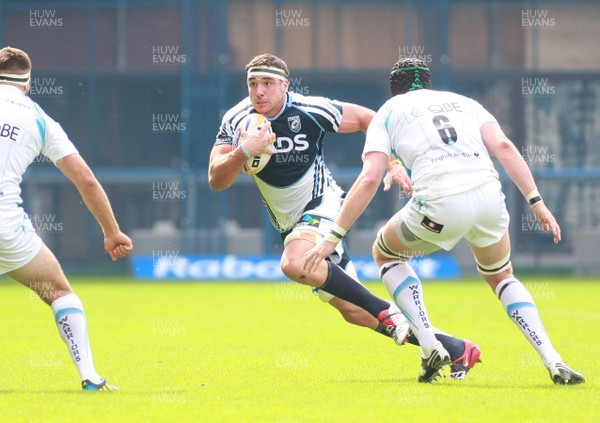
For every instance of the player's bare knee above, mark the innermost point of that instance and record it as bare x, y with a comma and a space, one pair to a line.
291, 266
296, 244
287, 265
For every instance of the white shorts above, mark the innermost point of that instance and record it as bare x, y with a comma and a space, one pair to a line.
478, 215
18, 247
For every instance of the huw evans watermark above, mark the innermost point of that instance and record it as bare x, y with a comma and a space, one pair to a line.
415, 51
530, 224
168, 396
288, 290
46, 222
168, 55
41, 159
290, 359
167, 326
297, 86
168, 123
292, 150
168, 191
45, 290
44, 19
159, 257
541, 87
45, 87
537, 18
537, 154
291, 18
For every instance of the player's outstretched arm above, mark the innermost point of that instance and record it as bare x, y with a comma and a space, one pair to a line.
360, 195
499, 146
116, 243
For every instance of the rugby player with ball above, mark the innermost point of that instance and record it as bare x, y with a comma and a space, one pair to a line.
301, 195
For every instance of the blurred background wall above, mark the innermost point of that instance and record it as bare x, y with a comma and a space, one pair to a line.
141, 86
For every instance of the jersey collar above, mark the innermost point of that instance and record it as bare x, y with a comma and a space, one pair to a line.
7, 87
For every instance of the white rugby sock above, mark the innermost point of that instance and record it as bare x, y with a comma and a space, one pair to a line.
521, 309
405, 288
72, 326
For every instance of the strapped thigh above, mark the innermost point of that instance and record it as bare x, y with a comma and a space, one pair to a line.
306, 235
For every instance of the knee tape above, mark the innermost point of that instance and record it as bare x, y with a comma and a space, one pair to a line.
495, 268
385, 251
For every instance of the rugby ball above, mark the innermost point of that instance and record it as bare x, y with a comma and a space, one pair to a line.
252, 124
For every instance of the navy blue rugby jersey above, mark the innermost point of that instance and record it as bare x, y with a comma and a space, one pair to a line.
296, 173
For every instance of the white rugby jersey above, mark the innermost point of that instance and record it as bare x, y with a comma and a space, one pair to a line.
25, 132
436, 134
296, 173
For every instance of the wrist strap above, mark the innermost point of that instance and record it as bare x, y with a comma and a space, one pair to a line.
246, 152
336, 233
393, 164
534, 198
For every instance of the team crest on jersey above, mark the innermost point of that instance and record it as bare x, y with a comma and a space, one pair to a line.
294, 123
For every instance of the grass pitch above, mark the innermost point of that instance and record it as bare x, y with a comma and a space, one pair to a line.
252, 352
